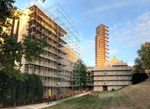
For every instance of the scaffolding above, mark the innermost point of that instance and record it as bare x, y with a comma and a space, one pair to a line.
71, 38
61, 18
55, 65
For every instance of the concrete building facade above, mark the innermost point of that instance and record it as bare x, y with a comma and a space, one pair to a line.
113, 76
89, 77
101, 45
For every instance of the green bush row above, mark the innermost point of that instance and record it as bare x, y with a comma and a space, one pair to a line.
139, 77
20, 91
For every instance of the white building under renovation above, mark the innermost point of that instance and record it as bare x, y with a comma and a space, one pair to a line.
55, 65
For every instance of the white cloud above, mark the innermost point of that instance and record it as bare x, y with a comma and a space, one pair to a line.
128, 36
133, 33
130, 63
113, 52
107, 6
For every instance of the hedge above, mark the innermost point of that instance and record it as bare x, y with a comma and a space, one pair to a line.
20, 91
139, 77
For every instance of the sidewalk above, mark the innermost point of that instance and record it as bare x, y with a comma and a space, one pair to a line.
44, 105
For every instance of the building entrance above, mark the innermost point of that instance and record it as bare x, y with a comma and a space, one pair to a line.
105, 88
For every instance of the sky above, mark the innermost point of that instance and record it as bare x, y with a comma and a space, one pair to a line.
128, 22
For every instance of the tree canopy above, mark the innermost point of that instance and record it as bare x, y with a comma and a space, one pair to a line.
79, 74
142, 63
11, 50
6, 11
144, 55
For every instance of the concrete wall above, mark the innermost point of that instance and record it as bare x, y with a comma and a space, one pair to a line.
115, 78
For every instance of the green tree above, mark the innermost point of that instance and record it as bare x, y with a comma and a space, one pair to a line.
6, 11
15, 86
79, 74
83, 75
138, 67
142, 63
33, 48
144, 55
12, 51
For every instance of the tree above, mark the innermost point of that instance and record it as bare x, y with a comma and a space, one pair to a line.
83, 75
15, 86
6, 11
79, 74
12, 51
142, 63
138, 67
33, 47
144, 55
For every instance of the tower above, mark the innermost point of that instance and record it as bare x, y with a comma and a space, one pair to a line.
101, 45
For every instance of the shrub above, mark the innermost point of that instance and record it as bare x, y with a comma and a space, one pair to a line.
34, 87
139, 77
21, 92
112, 89
8, 86
38, 89
16, 91
3, 86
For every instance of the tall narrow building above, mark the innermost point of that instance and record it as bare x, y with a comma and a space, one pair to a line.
101, 45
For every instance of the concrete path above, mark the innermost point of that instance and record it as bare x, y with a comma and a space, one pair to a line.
44, 105
104, 95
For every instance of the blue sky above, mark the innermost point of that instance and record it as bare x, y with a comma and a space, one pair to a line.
128, 22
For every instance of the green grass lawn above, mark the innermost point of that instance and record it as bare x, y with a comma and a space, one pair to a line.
92, 102
130, 97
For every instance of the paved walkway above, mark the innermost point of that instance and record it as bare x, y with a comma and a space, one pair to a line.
107, 94
44, 105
